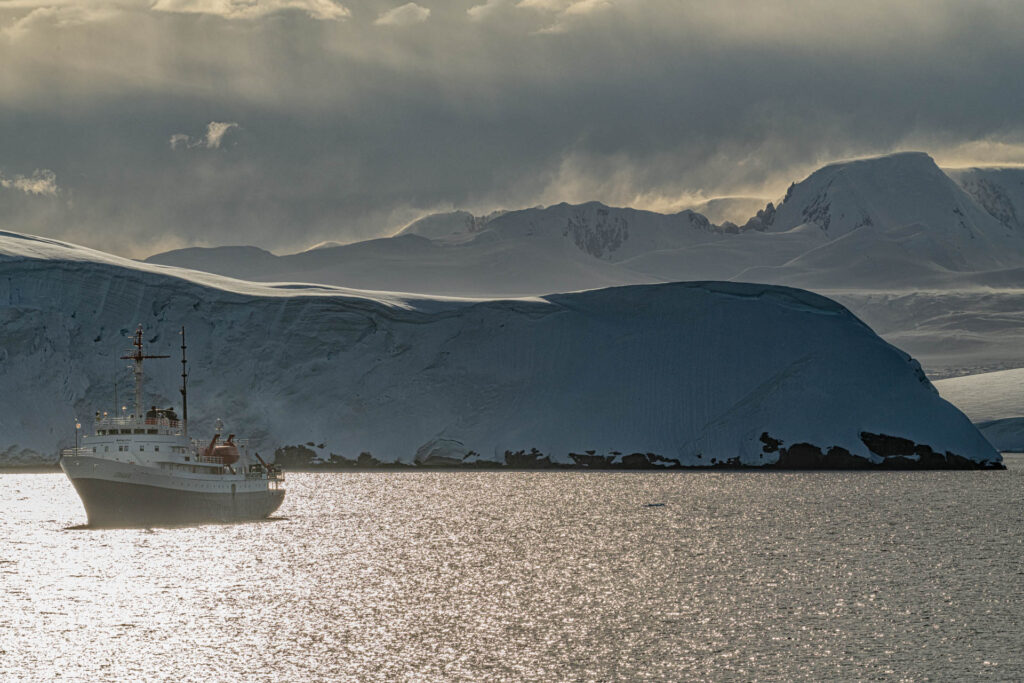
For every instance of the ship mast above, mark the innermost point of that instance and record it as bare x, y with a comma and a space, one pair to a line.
184, 384
138, 357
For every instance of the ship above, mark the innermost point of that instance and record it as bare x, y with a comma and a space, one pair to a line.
144, 468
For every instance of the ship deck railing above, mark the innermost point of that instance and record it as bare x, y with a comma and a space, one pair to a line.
81, 450
210, 460
107, 422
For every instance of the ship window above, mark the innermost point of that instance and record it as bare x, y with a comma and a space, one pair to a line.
106, 449
156, 448
186, 458
140, 431
126, 431
142, 448
151, 431
101, 432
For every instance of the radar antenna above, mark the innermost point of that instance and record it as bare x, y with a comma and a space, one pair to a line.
138, 356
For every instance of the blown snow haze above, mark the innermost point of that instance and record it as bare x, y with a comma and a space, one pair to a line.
931, 259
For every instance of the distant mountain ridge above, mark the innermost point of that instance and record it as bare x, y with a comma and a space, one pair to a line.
966, 220
515, 253
897, 225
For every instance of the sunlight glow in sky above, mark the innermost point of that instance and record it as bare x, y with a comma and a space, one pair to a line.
136, 126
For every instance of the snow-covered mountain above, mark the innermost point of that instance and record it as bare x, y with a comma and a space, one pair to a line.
881, 223
517, 253
895, 222
702, 373
889, 222
934, 261
603, 232
895, 190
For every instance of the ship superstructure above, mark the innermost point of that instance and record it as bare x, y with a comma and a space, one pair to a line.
144, 468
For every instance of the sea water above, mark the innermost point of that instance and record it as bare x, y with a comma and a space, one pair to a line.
531, 576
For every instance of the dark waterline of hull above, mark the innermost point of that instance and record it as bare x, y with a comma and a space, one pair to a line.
119, 504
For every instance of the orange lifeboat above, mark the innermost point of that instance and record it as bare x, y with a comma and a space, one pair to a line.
227, 452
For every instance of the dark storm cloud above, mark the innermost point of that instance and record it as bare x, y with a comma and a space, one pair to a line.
346, 120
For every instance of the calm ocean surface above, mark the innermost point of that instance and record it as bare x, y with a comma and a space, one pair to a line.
531, 576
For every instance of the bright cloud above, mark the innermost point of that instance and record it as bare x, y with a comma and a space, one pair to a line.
253, 9
215, 132
647, 103
566, 11
409, 13
481, 12
586, 7
41, 182
550, 5
55, 15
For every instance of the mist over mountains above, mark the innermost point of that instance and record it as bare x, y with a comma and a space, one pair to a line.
933, 259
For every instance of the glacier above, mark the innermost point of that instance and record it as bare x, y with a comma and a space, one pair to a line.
693, 373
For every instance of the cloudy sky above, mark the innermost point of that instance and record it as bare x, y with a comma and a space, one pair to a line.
137, 126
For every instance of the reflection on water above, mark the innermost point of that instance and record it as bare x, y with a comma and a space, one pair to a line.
531, 576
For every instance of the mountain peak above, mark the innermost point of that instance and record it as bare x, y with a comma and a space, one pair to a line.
895, 190
439, 225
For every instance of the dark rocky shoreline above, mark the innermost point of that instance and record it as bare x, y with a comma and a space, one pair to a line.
897, 453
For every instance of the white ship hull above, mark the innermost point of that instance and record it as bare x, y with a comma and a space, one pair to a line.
117, 493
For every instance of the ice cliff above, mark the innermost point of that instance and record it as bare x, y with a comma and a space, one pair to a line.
698, 373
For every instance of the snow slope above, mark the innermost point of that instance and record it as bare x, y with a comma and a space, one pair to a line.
1000, 191
439, 225
986, 396
236, 261
951, 331
696, 372
995, 401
